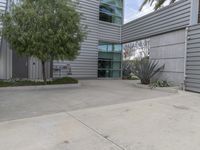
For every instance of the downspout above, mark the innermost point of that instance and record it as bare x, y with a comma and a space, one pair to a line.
185, 58
121, 51
121, 39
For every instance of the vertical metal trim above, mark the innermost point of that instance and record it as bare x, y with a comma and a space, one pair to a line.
185, 58
194, 11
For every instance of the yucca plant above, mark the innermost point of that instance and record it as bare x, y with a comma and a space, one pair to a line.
146, 69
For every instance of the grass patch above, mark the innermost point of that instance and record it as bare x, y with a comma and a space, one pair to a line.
12, 83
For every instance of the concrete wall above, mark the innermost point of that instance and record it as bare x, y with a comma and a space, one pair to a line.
169, 49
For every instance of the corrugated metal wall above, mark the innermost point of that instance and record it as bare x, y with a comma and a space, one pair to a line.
5, 52
192, 81
109, 32
35, 69
173, 17
85, 66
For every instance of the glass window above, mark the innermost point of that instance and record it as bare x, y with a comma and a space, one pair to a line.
110, 47
117, 47
109, 60
116, 65
103, 47
117, 3
116, 74
117, 57
111, 11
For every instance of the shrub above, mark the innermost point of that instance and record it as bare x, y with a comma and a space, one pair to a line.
65, 80
160, 83
145, 69
126, 69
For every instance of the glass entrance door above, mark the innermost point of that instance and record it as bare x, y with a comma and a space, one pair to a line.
109, 60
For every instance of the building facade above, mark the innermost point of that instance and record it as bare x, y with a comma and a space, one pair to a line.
174, 34
101, 52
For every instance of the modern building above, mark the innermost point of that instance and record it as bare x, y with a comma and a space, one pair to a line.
174, 34
101, 53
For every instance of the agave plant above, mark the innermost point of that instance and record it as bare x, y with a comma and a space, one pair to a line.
146, 69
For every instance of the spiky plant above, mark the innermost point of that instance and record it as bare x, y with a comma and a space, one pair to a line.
158, 3
146, 69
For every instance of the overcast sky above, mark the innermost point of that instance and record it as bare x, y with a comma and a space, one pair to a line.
132, 10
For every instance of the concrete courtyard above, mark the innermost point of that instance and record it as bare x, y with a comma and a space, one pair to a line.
100, 115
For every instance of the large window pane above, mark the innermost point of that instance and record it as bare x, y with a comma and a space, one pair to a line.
117, 3
110, 47
116, 65
105, 55
105, 17
106, 9
103, 47
116, 74
116, 57
105, 64
117, 20
109, 60
104, 73
111, 11
117, 47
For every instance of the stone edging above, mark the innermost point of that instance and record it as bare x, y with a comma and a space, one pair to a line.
42, 87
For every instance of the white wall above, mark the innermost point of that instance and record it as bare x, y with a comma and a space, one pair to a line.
169, 49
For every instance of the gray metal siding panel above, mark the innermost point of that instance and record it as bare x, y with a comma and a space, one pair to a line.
192, 81
170, 18
169, 49
109, 32
85, 66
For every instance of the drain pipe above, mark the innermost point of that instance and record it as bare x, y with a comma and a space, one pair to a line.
185, 57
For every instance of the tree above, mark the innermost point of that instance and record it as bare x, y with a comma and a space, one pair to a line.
46, 29
136, 49
158, 3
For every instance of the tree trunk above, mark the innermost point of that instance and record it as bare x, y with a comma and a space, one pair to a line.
44, 72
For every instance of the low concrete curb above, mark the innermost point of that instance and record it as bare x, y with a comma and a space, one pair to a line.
42, 87
164, 89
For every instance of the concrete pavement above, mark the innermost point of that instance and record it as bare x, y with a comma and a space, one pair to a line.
163, 123
19, 104
101, 115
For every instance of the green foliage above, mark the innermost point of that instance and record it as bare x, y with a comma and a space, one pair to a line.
126, 69
65, 80
145, 69
46, 29
160, 83
158, 3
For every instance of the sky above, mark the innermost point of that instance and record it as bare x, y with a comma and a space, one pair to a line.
132, 10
